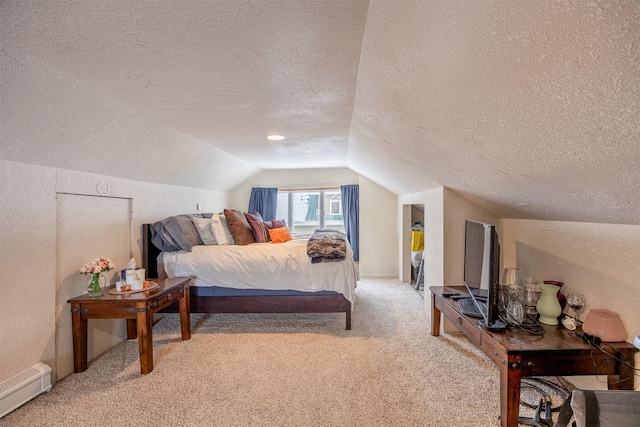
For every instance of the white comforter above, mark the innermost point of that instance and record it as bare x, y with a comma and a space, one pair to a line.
274, 266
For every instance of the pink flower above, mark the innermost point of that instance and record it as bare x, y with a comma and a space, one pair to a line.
98, 265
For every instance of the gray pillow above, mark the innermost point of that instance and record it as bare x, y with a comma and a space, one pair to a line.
205, 230
175, 233
162, 239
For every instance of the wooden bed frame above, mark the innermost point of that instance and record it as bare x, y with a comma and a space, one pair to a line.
335, 303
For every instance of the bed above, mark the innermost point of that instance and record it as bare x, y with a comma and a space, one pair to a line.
260, 277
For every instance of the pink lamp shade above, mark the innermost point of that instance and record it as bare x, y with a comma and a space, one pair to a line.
605, 325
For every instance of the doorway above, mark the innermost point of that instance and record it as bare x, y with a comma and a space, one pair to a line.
411, 214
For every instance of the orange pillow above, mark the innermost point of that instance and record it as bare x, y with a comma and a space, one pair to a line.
280, 235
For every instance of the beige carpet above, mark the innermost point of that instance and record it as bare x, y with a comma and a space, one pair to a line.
286, 370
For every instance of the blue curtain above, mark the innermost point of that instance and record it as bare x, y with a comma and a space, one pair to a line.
351, 211
264, 201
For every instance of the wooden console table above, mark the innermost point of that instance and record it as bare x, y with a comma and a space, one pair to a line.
519, 354
138, 308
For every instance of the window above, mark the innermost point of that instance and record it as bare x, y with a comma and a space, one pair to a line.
335, 204
306, 210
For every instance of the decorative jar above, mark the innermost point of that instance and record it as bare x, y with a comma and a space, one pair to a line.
548, 305
561, 297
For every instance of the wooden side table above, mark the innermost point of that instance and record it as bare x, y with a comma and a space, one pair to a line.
559, 352
138, 309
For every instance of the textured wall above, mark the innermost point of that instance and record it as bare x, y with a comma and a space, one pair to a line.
27, 267
531, 106
378, 235
28, 251
598, 261
457, 210
54, 119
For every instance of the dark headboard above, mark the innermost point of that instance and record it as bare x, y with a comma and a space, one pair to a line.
149, 253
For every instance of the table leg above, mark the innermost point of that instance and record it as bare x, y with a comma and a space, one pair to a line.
435, 317
510, 377
132, 329
145, 341
623, 381
79, 328
185, 314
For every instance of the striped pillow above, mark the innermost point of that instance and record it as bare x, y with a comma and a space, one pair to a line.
239, 227
260, 231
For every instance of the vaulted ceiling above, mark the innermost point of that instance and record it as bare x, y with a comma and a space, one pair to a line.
530, 108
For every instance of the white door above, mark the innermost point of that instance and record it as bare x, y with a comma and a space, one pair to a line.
87, 227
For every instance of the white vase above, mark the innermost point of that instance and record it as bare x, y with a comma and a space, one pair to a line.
548, 305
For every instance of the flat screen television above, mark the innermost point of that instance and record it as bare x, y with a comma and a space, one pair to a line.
482, 267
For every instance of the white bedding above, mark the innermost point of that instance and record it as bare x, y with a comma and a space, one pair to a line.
273, 266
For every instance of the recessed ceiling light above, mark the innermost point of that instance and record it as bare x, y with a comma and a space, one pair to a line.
275, 137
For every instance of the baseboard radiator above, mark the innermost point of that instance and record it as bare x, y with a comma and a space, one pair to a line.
23, 387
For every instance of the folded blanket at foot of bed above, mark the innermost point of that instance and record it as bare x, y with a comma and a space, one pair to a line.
327, 245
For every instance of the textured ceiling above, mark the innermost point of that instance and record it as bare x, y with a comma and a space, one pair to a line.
530, 108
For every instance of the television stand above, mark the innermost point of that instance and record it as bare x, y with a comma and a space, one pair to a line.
517, 354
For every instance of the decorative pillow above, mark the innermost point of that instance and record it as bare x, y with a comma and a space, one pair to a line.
278, 223
260, 231
259, 227
161, 238
239, 227
253, 216
280, 235
175, 233
218, 230
205, 230
225, 227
